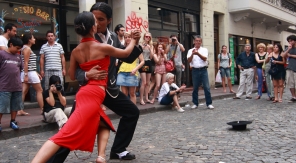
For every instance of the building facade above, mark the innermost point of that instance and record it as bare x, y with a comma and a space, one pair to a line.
220, 22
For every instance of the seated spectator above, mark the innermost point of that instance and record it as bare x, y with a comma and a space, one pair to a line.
169, 91
55, 102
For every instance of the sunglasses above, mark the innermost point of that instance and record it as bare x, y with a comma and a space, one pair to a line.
147, 37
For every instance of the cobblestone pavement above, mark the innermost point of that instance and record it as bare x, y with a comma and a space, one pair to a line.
197, 135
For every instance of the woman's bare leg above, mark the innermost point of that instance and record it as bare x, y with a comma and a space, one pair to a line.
124, 90
39, 95
157, 85
230, 85
275, 88
148, 76
152, 83
281, 90
26, 87
142, 88
223, 84
47, 150
102, 140
175, 98
132, 93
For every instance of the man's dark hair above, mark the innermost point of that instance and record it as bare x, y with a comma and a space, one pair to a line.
49, 31
84, 22
173, 36
103, 7
26, 37
15, 41
9, 26
54, 80
117, 28
291, 37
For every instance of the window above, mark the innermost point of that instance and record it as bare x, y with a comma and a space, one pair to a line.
160, 18
190, 23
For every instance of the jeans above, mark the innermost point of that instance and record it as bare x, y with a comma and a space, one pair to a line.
200, 76
178, 73
260, 81
225, 72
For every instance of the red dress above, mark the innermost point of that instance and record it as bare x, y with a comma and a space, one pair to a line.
79, 133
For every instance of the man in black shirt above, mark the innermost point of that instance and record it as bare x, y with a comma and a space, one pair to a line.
54, 103
246, 62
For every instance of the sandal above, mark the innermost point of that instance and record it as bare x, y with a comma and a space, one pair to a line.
280, 101
100, 159
275, 101
231, 91
142, 103
258, 97
22, 113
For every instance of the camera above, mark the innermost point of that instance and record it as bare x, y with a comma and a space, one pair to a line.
59, 87
174, 40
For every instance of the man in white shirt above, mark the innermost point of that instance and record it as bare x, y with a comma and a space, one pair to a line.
9, 31
197, 57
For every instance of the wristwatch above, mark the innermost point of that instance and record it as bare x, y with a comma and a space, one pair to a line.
26, 74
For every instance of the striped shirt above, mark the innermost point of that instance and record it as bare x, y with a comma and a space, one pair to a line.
32, 66
52, 55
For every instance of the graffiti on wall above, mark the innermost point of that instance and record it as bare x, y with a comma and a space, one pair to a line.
135, 22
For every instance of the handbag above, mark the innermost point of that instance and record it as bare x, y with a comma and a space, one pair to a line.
169, 65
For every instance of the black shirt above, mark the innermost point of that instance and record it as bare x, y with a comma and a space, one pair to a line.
246, 61
57, 103
259, 65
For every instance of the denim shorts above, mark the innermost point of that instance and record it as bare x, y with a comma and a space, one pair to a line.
10, 101
166, 100
126, 79
225, 72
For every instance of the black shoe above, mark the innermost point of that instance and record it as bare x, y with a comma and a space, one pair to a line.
249, 97
236, 97
128, 156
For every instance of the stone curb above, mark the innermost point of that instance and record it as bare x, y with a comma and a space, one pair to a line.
43, 127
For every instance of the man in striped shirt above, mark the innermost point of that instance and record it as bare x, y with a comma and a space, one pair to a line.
52, 54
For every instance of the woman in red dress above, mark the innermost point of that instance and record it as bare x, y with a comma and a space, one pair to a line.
80, 131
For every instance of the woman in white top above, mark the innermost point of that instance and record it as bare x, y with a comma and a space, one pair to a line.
30, 76
169, 93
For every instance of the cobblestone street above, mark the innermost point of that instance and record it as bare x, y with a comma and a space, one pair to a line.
197, 135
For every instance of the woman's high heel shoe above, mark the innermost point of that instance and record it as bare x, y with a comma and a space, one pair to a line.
258, 97
100, 159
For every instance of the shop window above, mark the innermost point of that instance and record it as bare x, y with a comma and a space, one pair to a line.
190, 23
30, 19
170, 20
154, 15
163, 18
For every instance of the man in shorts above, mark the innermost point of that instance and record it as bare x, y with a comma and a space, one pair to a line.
11, 86
291, 68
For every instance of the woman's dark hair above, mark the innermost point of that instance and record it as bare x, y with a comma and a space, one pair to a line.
84, 22
117, 28
291, 37
54, 80
26, 37
280, 47
15, 41
103, 7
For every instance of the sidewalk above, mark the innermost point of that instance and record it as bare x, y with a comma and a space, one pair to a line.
34, 124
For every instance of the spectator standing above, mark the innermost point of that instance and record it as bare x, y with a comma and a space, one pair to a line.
52, 59
197, 57
277, 61
260, 57
169, 93
55, 109
145, 71
30, 76
160, 72
174, 52
268, 79
128, 74
246, 63
9, 31
119, 30
291, 68
11, 86
224, 64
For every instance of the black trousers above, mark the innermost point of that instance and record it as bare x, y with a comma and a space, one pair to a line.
129, 112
